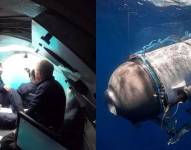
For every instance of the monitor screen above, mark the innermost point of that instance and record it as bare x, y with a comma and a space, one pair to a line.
30, 137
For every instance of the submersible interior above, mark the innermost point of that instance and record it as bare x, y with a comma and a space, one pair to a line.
31, 31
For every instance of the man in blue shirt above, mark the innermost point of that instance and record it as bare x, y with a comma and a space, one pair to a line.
46, 104
26, 90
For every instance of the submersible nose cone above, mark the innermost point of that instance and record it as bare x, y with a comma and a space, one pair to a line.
110, 96
131, 94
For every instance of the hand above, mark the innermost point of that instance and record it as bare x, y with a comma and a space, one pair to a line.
7, 88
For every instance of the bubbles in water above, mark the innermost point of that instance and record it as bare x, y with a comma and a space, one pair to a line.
164, 42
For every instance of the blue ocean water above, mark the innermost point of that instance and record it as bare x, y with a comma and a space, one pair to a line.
124, 27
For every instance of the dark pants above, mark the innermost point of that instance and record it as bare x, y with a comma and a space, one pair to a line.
12, 99
8, 121
8, 142
15, 101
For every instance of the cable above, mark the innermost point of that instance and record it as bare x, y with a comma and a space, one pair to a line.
176, 109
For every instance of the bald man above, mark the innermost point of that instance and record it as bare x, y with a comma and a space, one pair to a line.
48, 103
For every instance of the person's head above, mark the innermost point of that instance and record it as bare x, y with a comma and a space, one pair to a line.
44, 70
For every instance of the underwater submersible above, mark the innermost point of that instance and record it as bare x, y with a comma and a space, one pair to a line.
148, 84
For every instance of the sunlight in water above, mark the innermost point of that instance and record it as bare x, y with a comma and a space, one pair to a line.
165, 3
14, 73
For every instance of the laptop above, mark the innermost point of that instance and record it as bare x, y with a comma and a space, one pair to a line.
30, 135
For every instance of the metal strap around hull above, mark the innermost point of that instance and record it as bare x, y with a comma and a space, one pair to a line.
157, 85
166, 121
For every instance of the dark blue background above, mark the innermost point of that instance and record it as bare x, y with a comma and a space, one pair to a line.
124, 27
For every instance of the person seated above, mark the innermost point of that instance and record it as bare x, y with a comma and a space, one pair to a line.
46, 104
3, 90
17, 99
26, 90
